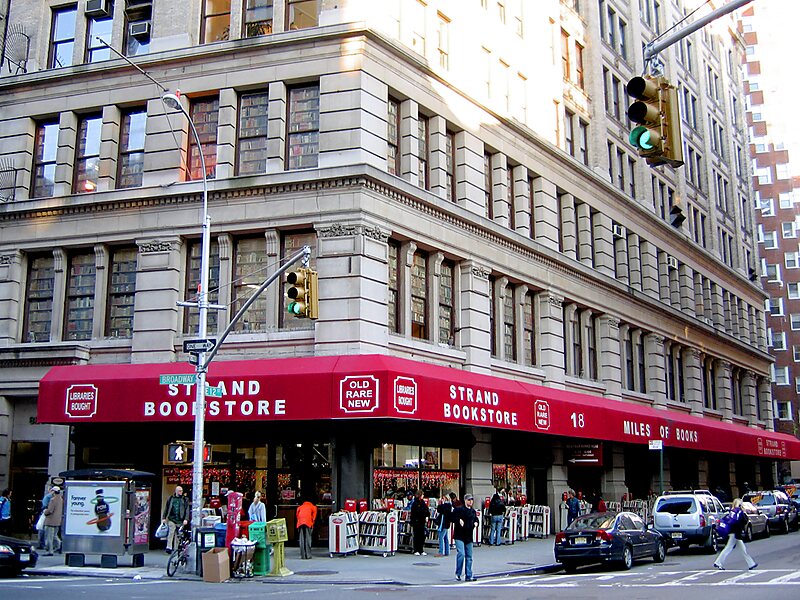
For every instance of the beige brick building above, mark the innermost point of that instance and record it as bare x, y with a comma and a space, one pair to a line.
462, 174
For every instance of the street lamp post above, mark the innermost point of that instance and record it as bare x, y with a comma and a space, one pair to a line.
173, 101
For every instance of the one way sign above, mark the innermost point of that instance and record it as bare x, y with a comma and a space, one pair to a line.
206, 345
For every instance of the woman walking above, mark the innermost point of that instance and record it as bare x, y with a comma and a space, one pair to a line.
738, 522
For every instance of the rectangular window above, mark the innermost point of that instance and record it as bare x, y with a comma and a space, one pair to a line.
87, 158
121, 293
775, 306
443, 41
446, 304
788, 230
393, 284
796, 353
583, 141
39, 299
487, 186
795, 321
252, 144
529, 330
44, 159
779, 340
99, 29
131, 149
258, 17
565, 66
422, 135
138, 22
419, 296
249, 272
62, 37
781, 376
301, 14
794, 291
790, 260
509, 325
216, 21
393, 138
303, 141
292, 242
569, 141
191, 316
80, 297
579, 76
205, 116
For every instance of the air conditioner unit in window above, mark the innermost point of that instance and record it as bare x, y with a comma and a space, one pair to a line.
672, 262
140, 29
618, 230
96, 8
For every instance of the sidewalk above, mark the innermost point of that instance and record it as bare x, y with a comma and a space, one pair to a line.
530, 556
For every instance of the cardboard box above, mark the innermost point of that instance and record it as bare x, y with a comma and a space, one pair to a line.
216, 565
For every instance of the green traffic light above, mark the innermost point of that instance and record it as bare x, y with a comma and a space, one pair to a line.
294, 308
641, 137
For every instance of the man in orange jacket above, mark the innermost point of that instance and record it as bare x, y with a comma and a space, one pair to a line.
306, 516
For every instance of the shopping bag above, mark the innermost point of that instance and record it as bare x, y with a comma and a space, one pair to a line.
162, 531
40, 522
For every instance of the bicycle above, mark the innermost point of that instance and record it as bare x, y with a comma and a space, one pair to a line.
180, 555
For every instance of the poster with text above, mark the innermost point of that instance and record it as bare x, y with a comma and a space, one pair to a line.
93, 508
141, 516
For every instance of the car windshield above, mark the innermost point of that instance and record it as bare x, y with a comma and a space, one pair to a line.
676, 506
760, 500
598, 521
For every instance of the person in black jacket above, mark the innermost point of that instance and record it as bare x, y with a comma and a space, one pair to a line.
419, 519
738, 522
176, 514
465, 520
497, 512
444, 511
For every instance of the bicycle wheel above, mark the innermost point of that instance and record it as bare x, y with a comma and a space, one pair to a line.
173, 562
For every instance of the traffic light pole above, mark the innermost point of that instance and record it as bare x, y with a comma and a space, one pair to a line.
304, 253
652, 50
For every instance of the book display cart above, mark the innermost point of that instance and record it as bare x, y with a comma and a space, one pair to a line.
539, 526
523, 522
378, 532
343, 533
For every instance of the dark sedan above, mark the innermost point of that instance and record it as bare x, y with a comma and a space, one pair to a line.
608, 537
16, 555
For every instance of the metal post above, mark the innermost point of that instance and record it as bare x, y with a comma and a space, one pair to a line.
661, 471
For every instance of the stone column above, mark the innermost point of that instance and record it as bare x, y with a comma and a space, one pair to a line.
545, 212
603, 245
474, 335
406, 260
556, 483
569, 227
634, 261
164, 145
101, 256
570, 361
435, 260
158, 283
65, 154
609, 358
722, 373
522, 201
520, 292
613, 478
276, 127
650, 270
409, 142
469, 173
437, 146
273, 253
693, 379
765, 398
500, 192
498, 292
749, 397
478, 471
12, 296
718, 314
654, 367
551, 336
621, 260
109, 148
583, 215
225, 296
59, 294
663, 276
226, 133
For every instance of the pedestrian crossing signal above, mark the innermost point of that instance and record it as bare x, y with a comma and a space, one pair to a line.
176, 453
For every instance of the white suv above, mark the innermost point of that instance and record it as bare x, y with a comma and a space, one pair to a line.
688, 517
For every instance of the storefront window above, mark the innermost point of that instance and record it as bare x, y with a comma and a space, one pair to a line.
430, 458
512, 478
383, 456
400, 468
407, 456
450, 459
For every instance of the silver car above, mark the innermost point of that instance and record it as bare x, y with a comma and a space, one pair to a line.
687, 518
776, 506
757, 523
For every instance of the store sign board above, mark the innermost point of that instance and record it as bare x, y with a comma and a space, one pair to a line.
541, 415
358, 394
586, 454
81, 401
405, 395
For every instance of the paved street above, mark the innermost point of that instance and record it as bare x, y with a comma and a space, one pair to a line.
520, 571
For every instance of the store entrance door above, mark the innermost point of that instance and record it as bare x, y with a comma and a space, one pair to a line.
298, 472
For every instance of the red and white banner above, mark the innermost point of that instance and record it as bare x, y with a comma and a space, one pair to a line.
376, 386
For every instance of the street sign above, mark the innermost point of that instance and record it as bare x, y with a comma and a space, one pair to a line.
213, 392
180, 379
655, 444
588, 454
206, 345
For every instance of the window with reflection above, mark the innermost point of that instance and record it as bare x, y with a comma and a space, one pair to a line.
216, 20
419, 296
131, 149
301, 14
402, 468
422, 134
62, 37
253, 121
98, 37
191, 316
393, 283
39, 299
80, 296
529, 330
303, 125
121, 293
258, 17
393, 139
249, 272
446, 304
44, 159
205, 116
87, 159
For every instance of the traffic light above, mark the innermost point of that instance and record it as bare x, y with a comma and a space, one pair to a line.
657, 137
303, 293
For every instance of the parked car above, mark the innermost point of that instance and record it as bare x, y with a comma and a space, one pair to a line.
757, 523
793, 491
608, 537
778, 508
15, 555
688, 517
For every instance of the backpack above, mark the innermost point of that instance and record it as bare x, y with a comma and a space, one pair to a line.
496, 506
725, 524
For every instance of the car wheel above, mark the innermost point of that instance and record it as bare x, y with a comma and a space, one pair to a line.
661, 552
747, 534
570, 567
767, 532
784, 527
627, 558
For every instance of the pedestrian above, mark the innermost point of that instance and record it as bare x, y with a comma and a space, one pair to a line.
419, 519
601, 504
42, 530
738, 523
5, 512
176, 514
257, 511
573, 507
444, 510
454, 500
497, 513
52, 521
306, 516
465, 521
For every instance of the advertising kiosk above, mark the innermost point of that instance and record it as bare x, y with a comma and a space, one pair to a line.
106, 512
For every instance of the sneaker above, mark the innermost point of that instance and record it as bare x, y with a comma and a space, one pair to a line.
416, 554
424, 554
168, 551
472, 579
458, 577
720, 567
753, 567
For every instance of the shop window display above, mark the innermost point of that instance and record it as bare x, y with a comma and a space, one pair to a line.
512, 478
400, 468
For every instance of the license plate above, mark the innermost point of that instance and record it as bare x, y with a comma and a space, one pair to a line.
677, 536
24, 558
581, 541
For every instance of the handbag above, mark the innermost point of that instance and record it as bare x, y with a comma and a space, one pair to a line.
40, 522
162, 531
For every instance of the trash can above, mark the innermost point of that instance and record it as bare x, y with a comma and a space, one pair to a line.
219, 532
257, 532
205, 539
242, 552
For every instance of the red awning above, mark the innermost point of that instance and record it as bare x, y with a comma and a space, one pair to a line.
376, 386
